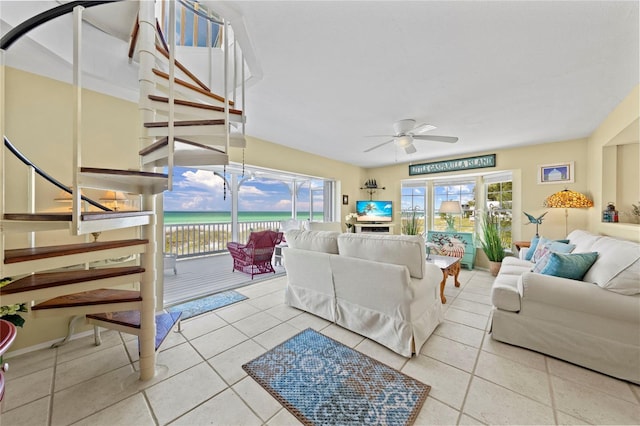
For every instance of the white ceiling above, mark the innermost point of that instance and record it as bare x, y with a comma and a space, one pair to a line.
493, 73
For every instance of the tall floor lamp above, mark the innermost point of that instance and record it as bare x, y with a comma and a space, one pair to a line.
566, 200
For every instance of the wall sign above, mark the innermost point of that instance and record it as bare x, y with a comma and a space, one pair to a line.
468, 163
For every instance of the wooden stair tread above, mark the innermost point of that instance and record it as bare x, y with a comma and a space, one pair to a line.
54, 279
191, 86
126, 318
182, 123
33, 253
137, 173
194, 104
165, 53
162, 142
164, 322
94, 297
67, 217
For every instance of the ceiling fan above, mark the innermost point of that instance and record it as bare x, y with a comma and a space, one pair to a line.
405, 131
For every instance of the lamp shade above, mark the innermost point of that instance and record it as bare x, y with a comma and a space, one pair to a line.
63, 197
567, 199
450, 207
114, 197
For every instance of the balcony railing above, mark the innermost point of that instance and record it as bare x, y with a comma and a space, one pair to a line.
200, 239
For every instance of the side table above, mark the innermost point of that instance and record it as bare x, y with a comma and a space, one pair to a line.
450, 266
277, 254
521, 244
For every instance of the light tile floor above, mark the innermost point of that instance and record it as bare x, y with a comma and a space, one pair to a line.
474, 379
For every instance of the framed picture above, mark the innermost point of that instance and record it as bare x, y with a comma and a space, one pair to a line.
345, 200
556, 173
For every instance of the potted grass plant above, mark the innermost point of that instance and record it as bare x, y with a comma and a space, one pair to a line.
411, 222
491, 242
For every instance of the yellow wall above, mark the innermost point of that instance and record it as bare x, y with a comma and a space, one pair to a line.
619, 128
528, 195
39, 123
273, 156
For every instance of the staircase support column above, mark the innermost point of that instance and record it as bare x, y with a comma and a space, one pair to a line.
235, 190
146, 40
77, 116
2, 165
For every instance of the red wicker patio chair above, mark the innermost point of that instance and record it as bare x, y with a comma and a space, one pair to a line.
254, 258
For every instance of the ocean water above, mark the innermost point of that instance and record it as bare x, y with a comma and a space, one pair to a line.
181, 218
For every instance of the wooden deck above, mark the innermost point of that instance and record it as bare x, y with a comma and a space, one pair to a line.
203, 276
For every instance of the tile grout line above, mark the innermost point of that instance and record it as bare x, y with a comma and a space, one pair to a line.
473, 371
52, 388
473, 376
551, 393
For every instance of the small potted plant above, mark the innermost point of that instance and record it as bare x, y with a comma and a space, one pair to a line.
349, 220
10, 312
491, 242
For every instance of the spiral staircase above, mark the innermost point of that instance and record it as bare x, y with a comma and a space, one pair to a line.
185, 124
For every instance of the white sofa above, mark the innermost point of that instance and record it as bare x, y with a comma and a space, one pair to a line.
323, 226
379, 286
594, 323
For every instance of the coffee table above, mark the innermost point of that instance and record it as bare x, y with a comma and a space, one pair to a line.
449, 266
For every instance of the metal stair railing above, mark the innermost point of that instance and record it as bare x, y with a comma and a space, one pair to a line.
48, 177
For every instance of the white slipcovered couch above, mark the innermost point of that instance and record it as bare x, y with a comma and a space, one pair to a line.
594, 323
379, 286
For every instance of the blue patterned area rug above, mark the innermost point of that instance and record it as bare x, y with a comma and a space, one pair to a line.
323, 382
206, 304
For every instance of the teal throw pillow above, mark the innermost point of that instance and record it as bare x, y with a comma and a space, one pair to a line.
573, 266
532, 248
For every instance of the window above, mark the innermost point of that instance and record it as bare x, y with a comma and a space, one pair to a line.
494, 193
499, 201
413, 202
464, 193
314, 200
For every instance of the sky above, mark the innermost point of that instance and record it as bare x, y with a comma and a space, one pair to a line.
201, 190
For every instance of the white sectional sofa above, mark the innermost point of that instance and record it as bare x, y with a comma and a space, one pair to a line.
379, 286
594, 323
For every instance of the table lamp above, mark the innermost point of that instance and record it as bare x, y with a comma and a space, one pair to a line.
113, 197
449, 208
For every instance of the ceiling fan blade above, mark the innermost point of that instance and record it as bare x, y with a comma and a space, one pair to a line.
378, 146
410, 149
424, 127
379, 136
447, 139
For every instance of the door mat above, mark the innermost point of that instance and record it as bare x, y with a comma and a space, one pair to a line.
207, 304
323, 382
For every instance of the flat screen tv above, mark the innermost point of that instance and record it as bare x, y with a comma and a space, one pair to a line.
374, 211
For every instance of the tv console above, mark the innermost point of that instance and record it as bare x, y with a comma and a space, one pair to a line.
377, 228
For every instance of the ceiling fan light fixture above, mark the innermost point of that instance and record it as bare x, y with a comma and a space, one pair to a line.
404, 141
